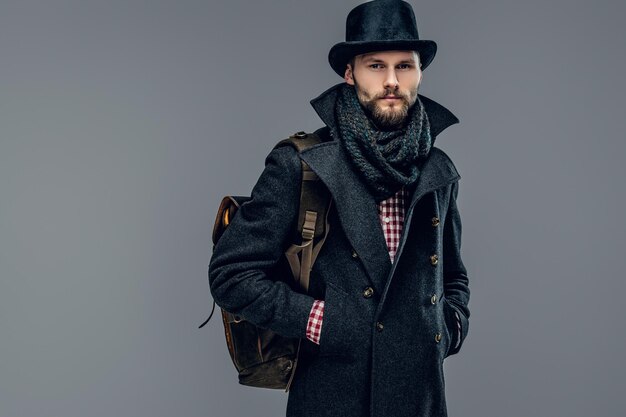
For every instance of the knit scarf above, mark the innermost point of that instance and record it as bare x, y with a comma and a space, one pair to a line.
385, 160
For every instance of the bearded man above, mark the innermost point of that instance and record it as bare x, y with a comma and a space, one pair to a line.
388, 296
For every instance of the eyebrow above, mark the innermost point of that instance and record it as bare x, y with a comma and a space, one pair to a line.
372, 59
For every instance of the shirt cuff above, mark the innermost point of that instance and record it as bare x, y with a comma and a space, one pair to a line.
314, 325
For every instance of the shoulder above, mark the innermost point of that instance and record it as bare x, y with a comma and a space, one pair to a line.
286, 151
283, 159
441, 159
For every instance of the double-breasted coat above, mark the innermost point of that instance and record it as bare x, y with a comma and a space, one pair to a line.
380, 353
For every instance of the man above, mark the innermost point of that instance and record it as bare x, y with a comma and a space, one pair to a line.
388, 295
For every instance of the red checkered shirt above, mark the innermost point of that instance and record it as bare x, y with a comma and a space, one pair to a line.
391, 215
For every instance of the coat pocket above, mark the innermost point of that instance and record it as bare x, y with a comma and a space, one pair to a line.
338, 326
451, 325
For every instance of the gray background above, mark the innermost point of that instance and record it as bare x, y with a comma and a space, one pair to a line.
123, 123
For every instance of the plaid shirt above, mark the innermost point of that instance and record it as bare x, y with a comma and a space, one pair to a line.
391, 215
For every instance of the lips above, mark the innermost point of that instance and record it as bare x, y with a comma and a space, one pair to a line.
392, 98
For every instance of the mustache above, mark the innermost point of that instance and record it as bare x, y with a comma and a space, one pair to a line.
397, 94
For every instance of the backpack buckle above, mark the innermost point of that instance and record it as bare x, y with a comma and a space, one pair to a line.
308, 229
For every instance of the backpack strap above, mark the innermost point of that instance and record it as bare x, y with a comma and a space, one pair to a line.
313, 226
315, 201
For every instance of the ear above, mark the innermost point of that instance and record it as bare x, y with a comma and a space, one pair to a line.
348, 75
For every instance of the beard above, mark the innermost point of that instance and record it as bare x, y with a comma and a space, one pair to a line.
389, 119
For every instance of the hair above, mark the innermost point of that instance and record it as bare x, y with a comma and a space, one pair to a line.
351, 62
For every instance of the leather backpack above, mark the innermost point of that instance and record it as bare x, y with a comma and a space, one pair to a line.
265, 359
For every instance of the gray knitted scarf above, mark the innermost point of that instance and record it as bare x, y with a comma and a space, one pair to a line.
385, 160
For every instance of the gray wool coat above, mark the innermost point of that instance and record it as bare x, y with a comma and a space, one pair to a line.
379, 355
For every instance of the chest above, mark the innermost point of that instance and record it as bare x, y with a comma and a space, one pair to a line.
354, 260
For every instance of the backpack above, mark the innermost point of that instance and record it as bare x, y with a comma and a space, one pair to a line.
265, 359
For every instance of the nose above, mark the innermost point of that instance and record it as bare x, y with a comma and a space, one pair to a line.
391, 81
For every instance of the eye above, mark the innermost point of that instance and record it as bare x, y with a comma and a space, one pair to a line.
406, 66
374, 65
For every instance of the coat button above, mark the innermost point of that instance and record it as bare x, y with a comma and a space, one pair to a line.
433, 299
354, 254
438, 337
434, 259
379, 326
435, 221
367, 293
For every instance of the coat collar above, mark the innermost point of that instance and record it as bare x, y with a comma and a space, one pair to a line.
438, 116
356, 207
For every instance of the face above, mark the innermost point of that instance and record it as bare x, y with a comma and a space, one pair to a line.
386, 84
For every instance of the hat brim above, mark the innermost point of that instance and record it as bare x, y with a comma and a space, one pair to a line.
341, 53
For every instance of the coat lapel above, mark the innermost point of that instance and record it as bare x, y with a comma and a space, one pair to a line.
437, 172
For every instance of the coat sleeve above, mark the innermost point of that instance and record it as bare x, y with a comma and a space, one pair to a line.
242, 273
456, 281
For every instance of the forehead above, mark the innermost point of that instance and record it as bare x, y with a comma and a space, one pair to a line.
389, 56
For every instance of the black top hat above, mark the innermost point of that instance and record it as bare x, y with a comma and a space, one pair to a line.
380, 25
